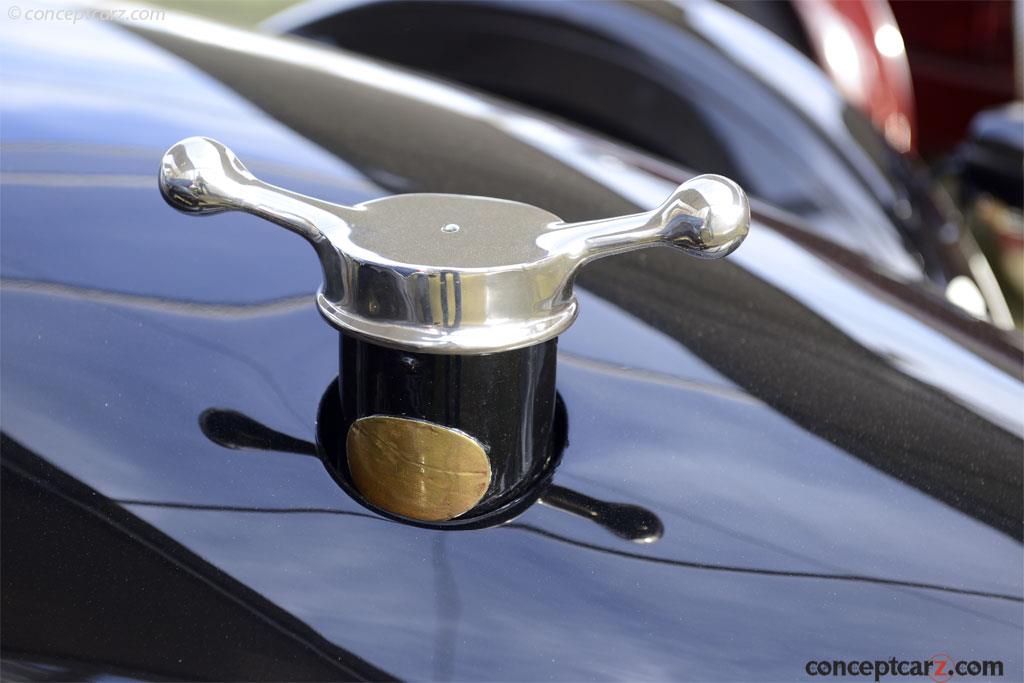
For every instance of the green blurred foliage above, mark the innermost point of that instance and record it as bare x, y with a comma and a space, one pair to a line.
238, 12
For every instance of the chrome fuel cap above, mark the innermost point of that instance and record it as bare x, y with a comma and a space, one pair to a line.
451, 274
449, 308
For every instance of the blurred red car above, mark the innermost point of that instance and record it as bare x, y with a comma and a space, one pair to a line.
920, 69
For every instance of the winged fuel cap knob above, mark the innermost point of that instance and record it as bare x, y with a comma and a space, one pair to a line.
449, 307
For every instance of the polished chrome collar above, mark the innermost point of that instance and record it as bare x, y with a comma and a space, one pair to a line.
453, 274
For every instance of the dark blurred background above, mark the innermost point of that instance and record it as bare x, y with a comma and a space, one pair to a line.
939, 79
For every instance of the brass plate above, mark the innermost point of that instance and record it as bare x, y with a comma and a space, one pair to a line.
415, 468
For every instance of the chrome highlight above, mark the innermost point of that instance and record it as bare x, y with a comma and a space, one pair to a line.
451, 273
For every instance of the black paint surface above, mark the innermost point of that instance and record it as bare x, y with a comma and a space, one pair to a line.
833, 453
506, 401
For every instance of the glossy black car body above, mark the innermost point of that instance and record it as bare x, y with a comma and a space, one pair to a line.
833, 453
694, 83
